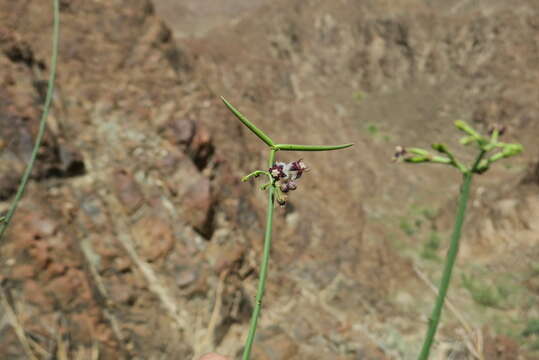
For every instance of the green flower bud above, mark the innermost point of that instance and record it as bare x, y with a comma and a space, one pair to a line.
440, 148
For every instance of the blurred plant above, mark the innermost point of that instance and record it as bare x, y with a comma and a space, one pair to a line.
484, 294
5, 220
282, 178
490, 150
431, 246
532, 328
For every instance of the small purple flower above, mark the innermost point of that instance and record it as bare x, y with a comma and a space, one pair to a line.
277, 171
297, 168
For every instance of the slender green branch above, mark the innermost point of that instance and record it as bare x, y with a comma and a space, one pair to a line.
256, 173
293, 147
42, 123
265, 138
263, 267
441, 148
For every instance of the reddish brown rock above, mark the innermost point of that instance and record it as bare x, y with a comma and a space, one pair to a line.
54, 269
39, 251
70, 289
197, 204
127, 190
20, 272
228, 255
153, 236
500, 347
35, 294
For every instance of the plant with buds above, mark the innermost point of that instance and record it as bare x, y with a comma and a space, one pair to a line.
282, 178
490, 150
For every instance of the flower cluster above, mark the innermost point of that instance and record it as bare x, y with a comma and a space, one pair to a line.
491, 150
286, 174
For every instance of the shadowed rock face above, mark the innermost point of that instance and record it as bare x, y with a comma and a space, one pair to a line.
136, 224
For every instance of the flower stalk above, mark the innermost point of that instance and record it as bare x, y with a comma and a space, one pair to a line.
480, 165
282, 179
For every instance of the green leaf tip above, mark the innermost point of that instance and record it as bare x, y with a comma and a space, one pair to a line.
512, 149
294, 147
463, 126
261, 135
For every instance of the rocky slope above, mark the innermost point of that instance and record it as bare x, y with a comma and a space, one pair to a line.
137, 240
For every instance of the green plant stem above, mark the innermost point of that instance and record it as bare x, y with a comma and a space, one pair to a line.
42, 123
263, 267
452, 253
448, 269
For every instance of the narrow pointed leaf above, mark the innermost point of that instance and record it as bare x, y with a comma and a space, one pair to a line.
293, 147
265, 138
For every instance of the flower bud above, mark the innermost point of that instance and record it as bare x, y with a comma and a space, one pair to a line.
497, 127
292, 185
400, 151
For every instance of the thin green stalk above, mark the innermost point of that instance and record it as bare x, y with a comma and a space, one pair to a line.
452, 253
293, 147
448, 269
255, 173
42, 123
263, 267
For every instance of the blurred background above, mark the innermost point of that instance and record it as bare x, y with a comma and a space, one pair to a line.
136, 239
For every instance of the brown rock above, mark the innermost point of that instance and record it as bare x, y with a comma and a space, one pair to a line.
121, 264
22, 272
500, 347
186, 278
229, 254
154, 237
35, 294
39, 250
70, 288
197, 203
121, 293
55, 269
274, 344
90, 326
127, 190
179, 131
201, 148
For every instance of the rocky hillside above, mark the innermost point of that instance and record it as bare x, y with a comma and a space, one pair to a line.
137, 240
